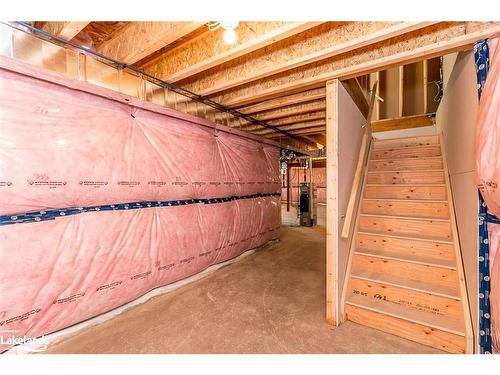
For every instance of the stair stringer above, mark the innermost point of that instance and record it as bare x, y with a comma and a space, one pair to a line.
469, 335
352, 245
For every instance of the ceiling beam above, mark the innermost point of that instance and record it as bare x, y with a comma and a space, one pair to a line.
325, 42
201, 54
140, 39
433, 41
66, 30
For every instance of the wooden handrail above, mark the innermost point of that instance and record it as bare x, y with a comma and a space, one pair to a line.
358, 175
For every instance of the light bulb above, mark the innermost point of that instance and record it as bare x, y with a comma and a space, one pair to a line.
229, 36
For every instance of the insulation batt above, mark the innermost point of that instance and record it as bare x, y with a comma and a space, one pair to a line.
297, 176
488, 175
62, 147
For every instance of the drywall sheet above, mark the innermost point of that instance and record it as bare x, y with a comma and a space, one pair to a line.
456, 119
297, 176
350, 133
102, 201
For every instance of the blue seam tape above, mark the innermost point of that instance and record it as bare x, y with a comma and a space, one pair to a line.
44, 215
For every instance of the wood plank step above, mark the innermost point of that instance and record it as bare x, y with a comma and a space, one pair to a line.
406, 142
406, 152
428, 335
408, 208
418, 276
405, 248
406, 177
406, 236
406, 164
404, 257
431, 192
413, 315
434, 228
402, 284
423, 301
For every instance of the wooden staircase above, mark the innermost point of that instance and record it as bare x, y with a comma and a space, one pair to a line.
405, 272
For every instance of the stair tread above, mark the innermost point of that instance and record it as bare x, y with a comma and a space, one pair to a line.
392, 309
408, 170
406, 200
400, 185
384, 216
406, 139
406, 236
406, 258
411, 158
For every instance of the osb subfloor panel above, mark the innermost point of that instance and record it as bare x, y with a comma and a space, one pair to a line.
272, 301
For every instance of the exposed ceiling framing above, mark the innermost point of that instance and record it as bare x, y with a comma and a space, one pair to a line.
276, 71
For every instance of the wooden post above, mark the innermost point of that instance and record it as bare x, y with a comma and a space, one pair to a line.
400, 90
332, 298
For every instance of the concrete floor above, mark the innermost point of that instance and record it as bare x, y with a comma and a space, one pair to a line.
272, 301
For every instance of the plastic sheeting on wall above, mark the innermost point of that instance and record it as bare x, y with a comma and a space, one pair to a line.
488, 133
488, 178
61, 147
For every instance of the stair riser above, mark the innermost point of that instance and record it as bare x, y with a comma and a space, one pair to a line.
408, 248
407, 299
412, 331
406, 164
434, 277
406, 192
427, 228
406, 142
401, 208
419, 152
409, 178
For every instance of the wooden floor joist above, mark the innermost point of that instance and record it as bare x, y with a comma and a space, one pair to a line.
140, 39
297, 109
301, 126
210, 51
430, 42
303, 97
308, 131
324, 43
65, 29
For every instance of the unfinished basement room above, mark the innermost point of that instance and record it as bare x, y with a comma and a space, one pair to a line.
249, 187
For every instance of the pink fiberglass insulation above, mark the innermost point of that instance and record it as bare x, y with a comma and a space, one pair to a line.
62, 146
488, 175
68, 148
297, 176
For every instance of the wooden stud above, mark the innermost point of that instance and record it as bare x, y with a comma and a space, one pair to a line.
332, 214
